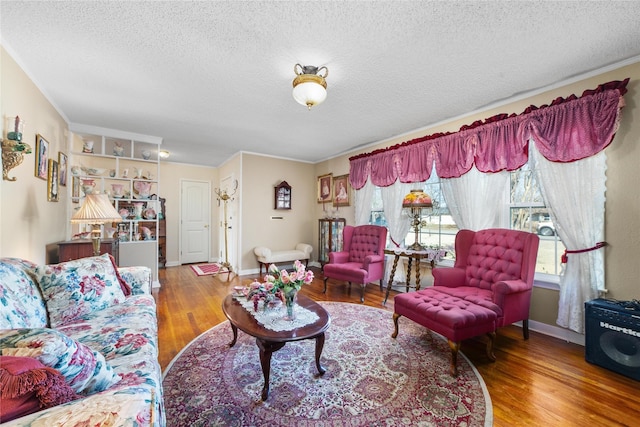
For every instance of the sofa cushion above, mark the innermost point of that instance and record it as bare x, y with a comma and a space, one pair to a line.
21, 303
74, 288
119, 330
85, 370
27, 386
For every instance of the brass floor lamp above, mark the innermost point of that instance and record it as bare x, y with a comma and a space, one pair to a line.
225, 197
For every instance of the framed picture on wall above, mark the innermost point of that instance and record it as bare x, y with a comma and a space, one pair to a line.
325, 184
62, 168
341, 191
52, 181
42, 155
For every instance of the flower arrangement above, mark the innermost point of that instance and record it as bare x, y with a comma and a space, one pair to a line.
279, 284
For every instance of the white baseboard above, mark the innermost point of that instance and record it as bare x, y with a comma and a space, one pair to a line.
155, 284
555, 331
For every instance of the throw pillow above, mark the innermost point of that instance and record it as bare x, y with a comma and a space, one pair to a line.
75, 288
85, 370
27, 386
126, 288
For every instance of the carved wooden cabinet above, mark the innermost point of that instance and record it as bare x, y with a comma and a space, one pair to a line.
329, 237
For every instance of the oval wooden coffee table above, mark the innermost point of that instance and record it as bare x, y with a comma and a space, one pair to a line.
269, 341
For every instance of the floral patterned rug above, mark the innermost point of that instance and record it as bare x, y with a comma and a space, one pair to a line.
371, 379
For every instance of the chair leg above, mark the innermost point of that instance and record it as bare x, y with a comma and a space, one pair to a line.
490, 344
396, 316
381, 285
325, 285
364, 285
525, 329
454, 346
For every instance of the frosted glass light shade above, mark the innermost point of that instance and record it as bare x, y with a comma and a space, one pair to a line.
309, 94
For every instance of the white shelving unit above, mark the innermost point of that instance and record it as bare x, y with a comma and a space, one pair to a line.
126, 166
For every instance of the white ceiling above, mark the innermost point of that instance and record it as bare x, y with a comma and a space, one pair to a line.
214, 78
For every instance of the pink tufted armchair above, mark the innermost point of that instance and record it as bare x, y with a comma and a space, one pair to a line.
494, 268
361, 259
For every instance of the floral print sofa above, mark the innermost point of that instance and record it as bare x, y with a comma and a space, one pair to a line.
94, 323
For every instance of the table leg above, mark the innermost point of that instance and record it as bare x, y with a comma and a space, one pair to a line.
409, 272
235, 335
417, 272
319, 347
266, 349
390, 281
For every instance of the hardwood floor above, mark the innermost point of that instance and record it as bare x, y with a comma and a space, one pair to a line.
540, 382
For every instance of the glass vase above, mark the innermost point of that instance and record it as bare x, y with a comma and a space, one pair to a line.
290, 298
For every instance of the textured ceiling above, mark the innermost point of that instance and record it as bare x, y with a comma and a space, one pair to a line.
214, 78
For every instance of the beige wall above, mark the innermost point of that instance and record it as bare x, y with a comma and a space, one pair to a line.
28, 222
260, 176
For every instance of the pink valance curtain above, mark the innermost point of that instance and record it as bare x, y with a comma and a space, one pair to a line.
569, 129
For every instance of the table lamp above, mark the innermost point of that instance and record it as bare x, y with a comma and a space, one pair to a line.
96, 210
415, 201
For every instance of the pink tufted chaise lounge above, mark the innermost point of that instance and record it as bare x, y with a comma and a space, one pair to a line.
488, 287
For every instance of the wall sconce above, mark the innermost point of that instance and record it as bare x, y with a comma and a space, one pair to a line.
309, 86
13, 149
415, 201
164, 154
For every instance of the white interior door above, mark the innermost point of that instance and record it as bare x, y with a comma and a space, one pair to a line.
228, 243
195, 217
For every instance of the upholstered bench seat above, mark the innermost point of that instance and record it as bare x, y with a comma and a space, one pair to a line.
266, 256
454, 318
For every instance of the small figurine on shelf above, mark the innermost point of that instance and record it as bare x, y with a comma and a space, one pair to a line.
146, 233
87, 147
118, 149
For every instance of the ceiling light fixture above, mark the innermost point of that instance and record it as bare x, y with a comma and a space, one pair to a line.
309, 86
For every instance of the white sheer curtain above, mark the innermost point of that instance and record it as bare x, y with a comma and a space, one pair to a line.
362, 198
575, 195
398, 222
477, 200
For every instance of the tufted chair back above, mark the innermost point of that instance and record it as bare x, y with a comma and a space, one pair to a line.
496, 255
364, 240
494, 268
362, 257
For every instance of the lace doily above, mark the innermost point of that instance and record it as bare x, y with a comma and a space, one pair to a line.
273, 318
432, 254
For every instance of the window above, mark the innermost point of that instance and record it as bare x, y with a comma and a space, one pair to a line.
527, 212
438, 229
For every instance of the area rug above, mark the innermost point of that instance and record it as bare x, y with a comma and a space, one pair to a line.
371, 379
206, 269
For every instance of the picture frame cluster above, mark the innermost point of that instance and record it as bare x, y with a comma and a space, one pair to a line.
49, 169
335, 190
